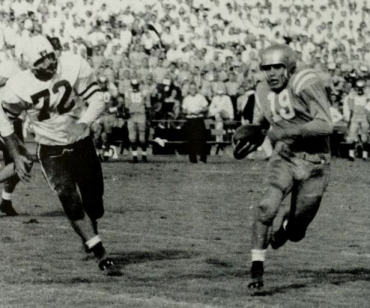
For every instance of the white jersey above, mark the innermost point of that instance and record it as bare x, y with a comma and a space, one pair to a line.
51, 106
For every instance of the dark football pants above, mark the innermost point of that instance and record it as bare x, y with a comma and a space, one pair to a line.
306, 181
68, 167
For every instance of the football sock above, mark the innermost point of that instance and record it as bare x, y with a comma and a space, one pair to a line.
134, 153
93, 242
365, 154
98, 250
6, 196
144, 153
258, 255
352, 153
285, 223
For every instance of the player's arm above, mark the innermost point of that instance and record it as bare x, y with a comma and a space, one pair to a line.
88, 89
10, 108
247, 138
259, 118
319, 106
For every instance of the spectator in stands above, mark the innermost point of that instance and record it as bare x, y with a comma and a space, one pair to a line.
159, 72
217, 84
221, 109
143, 70
124, 82
110, 71
150, 89
194, 108
232, 88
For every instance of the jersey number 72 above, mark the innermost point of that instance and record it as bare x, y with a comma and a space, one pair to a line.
62, 107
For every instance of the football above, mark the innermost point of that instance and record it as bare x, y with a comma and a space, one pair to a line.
246, 139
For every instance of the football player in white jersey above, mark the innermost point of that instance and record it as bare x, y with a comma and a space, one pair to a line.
47, 92
8, 69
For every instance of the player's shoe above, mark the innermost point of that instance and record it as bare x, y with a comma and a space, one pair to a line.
278, 238
135, 160
256, 275
6, 207
107, 265
144, 159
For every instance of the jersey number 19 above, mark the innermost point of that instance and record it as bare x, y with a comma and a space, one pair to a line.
281, 106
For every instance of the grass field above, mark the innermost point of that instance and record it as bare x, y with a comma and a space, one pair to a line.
181, 235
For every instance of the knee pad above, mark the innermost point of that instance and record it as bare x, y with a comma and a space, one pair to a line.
95, 209
268, 207
71, 202
132, 136
265, 213
142, 138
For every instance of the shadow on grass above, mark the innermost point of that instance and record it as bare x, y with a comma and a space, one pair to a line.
57, 213
133, 257
319, 277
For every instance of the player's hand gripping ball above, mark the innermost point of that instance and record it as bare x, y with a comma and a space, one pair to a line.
246, 139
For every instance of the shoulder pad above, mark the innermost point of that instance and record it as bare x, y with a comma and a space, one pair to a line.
303, 78
70, 65
20, 84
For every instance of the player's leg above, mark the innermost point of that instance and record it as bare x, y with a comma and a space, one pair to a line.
89, 177
352, 139
280, 182
142, 138
132, 135
96, 132
6, 205
307, 203
200, 141
59, 169
365, 138
190, 133
10, 184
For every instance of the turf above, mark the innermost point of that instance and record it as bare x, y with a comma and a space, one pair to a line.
181, 235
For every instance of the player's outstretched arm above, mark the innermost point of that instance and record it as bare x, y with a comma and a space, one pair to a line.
22, 159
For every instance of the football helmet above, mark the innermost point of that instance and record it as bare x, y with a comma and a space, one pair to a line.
360, 87
276, 55
40, 57
135, 85
103, 82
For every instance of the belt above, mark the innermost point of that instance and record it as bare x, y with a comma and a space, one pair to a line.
319, 158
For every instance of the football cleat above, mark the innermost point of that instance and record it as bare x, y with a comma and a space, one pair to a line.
6, 207
135, 160
107, 265
256, 275
144, 159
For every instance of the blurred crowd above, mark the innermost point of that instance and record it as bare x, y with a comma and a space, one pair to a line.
170, 44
